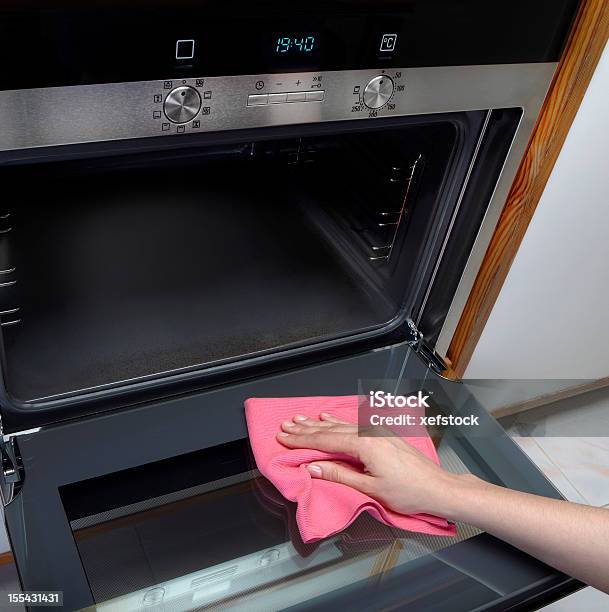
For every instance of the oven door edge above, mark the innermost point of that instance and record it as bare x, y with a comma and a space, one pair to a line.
491, 219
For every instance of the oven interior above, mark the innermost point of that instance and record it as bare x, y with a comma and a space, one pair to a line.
124, 268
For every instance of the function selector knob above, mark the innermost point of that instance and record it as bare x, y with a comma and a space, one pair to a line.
182, 104
378, 92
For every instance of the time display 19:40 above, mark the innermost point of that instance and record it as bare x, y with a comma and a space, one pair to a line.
296, 44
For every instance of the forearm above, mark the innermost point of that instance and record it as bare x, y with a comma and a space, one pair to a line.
569, 537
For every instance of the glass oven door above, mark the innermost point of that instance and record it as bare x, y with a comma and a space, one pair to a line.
234, 544
206, 531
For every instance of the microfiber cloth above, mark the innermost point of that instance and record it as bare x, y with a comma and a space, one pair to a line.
324, 508
364, 534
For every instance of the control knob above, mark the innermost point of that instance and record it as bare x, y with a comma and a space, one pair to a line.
378, 92
182, 104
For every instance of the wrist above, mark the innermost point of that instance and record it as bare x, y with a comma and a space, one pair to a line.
457, 495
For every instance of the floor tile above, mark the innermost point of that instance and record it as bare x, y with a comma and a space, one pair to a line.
602, 442
551, 471
584, 462
586, 600
570, 442
585, 415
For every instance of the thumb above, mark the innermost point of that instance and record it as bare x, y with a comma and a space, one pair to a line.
333, 472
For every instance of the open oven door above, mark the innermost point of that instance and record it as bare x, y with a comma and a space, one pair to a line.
129, 485
191, 524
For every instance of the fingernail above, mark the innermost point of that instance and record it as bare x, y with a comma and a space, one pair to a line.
300, 417
325, 415
314, 470
282, 434
288, 424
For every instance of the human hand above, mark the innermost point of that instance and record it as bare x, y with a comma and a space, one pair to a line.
395, 473
570, 537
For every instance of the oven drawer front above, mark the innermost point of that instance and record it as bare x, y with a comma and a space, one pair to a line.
165, 502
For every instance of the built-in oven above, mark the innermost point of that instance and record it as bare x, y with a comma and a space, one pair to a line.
205, 203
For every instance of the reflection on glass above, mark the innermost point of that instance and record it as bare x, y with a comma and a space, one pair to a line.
234, 544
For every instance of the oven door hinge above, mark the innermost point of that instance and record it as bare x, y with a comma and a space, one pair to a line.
12, 474
426, 353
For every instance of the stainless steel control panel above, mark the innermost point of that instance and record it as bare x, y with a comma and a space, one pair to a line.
94, 113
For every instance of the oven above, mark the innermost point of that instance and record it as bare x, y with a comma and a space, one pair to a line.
205, 203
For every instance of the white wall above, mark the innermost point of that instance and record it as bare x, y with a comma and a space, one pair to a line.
552, 316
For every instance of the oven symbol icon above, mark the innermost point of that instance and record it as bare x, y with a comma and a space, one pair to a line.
388, 43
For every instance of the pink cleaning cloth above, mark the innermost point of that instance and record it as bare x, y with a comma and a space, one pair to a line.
324, 508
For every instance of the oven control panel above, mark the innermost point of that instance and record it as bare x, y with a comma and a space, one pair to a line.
178, 107
186, 68
206, 104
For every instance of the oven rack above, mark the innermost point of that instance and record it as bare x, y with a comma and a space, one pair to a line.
9, 311
378, 209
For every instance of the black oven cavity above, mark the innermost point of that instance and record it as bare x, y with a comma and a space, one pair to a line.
141, 266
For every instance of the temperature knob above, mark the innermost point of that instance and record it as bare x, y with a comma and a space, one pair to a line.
182, 104
378, 92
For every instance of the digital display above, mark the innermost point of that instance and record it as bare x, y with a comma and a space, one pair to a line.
296, 44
